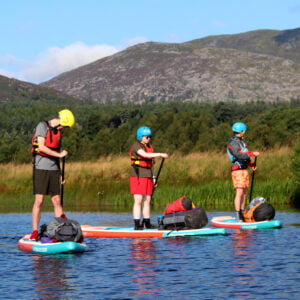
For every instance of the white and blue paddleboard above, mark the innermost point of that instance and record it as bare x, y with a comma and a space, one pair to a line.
32, 246
231, 222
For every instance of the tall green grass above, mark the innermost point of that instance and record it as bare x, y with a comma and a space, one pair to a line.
104, 184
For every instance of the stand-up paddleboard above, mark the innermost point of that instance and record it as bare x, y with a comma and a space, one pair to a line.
230, 222
129, 232
32, 246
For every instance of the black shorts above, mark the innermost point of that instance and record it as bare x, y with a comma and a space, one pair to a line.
46, 182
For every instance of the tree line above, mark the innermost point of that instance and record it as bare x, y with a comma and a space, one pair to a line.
103, 129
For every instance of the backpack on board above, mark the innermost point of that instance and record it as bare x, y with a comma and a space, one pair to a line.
62, 230
259, 211
182, 214
264, 212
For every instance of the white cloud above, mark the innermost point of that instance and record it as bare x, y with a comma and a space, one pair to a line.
6, 73
58, 60
54, 61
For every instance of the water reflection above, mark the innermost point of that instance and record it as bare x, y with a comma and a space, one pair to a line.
143, 254
241, 242
50, 277
244, 264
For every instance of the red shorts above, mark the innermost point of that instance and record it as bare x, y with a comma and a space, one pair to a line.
240, 179
141, 185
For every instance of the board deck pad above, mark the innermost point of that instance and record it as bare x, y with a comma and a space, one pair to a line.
98, 231
231, 222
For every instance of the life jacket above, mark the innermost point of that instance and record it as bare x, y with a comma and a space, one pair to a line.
181, 204
237, 163
248, 215
52, 141
140, 160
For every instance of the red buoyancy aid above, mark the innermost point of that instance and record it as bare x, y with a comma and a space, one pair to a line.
52, 141
178, 205
140, 160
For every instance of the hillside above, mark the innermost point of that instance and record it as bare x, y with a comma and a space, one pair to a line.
157, 72
13, 90
285, 44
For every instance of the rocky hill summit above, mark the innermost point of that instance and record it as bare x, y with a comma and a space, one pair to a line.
261, 65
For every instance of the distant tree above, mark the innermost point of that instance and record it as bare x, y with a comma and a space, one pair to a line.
296, 173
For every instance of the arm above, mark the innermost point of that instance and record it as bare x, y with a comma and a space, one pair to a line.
45, 149
142, 153
236, 150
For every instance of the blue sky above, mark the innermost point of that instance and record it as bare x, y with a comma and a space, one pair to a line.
41, 39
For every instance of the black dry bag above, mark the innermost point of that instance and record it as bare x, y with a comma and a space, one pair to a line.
264, 212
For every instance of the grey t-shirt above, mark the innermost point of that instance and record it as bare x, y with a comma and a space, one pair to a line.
43, 162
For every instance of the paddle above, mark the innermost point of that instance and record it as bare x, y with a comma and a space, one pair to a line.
62, 178
252, 180
157, 176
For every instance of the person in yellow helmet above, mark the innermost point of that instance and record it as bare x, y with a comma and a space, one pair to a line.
46, 151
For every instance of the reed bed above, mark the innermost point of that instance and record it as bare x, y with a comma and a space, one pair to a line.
104, 184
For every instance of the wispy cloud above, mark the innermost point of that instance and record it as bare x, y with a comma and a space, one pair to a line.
58, 60
54, 61
6, 73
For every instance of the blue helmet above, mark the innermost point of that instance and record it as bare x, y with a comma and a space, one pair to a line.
239, 127
144, 130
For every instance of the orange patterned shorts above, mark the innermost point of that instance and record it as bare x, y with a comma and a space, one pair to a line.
240, 179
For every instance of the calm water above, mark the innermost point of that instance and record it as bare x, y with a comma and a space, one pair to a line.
242, 265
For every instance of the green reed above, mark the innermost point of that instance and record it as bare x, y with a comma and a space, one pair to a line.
104, 185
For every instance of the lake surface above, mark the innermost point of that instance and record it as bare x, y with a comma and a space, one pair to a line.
241, 265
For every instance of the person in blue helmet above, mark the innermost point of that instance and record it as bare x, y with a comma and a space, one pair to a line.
142, 176
240, 157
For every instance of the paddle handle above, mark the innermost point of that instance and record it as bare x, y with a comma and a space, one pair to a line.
252, 180
157, 176
159, 170
62, 178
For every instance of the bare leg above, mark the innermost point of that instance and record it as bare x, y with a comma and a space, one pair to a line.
58, 210
137, 206
239, 200
243, 199
146, 207
36, 211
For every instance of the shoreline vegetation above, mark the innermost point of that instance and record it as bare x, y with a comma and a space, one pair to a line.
103, 184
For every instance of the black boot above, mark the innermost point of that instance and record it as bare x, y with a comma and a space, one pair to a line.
137, 225
147, 223
241, 217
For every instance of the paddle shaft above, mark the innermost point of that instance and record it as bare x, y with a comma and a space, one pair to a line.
158, 173
252, 180
62, 178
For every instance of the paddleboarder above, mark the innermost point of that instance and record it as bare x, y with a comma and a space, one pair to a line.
142, 177
47, 150
240, 157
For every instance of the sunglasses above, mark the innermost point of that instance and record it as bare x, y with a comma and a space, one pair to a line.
148, 136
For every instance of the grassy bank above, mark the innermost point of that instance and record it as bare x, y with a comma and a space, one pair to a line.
104, 184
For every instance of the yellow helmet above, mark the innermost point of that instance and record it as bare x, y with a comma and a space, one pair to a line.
66, 118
